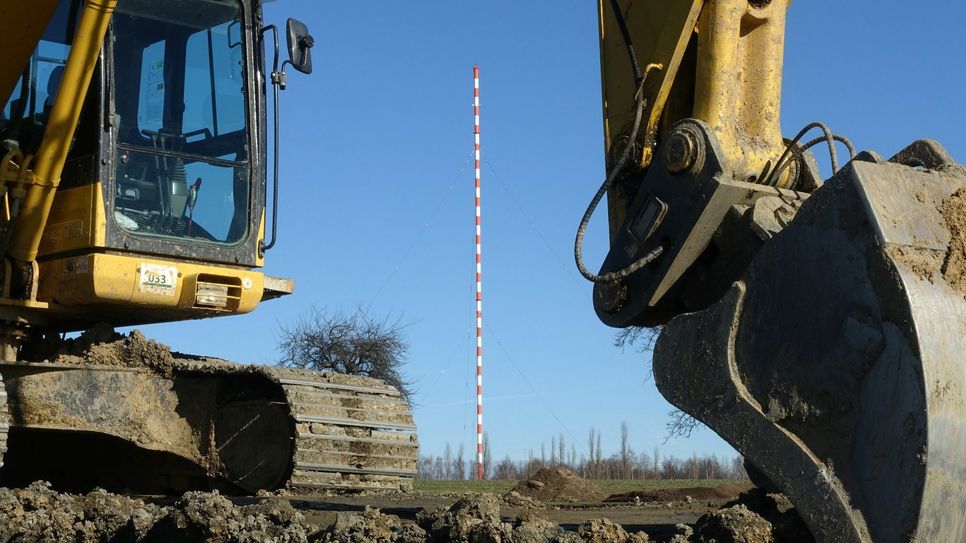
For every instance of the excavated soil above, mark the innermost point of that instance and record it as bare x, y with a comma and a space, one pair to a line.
559, 484
678, 494
953, 210
102, 346
37, 513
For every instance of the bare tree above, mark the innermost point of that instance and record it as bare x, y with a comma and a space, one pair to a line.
487, 455
553, 451
561, 449
459, 464
506, 469
588, 473
598, 455
626, 453
643, 339
356, 344
680, 424
448, 463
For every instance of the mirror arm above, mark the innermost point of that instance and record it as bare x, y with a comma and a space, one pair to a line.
278, 81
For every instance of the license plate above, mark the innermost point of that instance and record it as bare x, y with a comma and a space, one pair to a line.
158, 279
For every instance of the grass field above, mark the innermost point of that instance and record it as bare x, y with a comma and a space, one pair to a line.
610, 486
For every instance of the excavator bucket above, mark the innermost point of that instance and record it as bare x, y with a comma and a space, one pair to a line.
836, 364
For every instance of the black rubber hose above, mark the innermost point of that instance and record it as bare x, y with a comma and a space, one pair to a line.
785, 159
618, 275
622, 24
827, 136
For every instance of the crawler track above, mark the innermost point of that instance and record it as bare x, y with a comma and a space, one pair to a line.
195, 423
352, 434
4, 420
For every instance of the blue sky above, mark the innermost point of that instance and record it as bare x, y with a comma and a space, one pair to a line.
376, 207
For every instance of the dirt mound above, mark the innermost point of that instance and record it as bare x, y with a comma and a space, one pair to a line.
473, 518
532, 529
372, 526
102, 346
755, 517
515, 499
37, 513
679, 494
735, 524
605, 531
559, 484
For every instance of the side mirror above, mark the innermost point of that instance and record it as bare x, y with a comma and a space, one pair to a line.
300, 43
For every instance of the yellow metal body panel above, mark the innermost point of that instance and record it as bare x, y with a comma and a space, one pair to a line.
77, 221
259, 257
116, 285
29, 19
720, 62
739, 81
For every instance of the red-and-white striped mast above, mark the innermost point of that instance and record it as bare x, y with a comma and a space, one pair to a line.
479, 281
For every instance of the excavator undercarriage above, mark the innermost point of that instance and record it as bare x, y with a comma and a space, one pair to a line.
132, 417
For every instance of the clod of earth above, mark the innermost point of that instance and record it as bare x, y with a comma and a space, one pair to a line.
559, 484
605, 531
475, 518
515, 499
37, 513
375, 527
735, 524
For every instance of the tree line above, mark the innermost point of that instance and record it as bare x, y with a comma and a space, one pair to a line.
589, 462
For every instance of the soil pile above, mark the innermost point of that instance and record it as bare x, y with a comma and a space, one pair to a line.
473, 518
373, 526
735, 524
605, 531
755, 517
727, 491
476, 518
102, 346
515, 499
561, 485
37, 513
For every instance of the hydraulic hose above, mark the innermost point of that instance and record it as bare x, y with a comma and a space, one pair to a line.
614, 276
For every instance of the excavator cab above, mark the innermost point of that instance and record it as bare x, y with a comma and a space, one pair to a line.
162, 200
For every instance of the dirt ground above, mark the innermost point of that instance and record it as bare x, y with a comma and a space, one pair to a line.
39, 513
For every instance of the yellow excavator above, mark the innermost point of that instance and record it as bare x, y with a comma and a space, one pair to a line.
815, 324
133, 190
